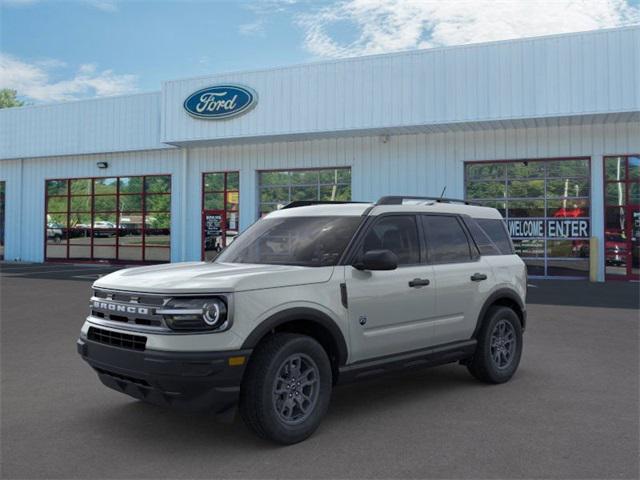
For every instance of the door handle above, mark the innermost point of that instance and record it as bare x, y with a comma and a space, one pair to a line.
478, 277
419, 282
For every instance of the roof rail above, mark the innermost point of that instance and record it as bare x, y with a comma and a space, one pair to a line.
398, 200
307, 203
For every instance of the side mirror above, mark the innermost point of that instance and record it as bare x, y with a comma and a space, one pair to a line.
377, 260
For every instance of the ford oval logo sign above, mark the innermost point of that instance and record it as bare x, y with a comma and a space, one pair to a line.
220, 101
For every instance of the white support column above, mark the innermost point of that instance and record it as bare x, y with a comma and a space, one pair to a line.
248, 197
597, 210
184, 205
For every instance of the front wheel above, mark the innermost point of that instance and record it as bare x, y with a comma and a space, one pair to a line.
499, 346
286, 389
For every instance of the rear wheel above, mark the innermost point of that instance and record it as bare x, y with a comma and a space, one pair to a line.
286, 389
499, 346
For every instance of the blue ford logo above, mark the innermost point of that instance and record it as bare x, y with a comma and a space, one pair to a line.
220, 101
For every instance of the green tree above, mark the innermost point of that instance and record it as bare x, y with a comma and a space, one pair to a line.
8, 98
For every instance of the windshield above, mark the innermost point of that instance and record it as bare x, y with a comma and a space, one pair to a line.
303, 241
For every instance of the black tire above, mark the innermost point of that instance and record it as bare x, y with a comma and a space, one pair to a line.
270, 363
490, 363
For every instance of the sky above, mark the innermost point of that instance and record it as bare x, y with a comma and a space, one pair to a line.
56, 50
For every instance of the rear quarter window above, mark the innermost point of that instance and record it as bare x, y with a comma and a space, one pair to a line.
490, 234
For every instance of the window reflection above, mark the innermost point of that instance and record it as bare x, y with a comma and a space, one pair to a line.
549, 193
107, 218
278, 188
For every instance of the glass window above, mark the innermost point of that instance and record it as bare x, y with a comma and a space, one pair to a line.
104, 186
543, 200
56, 187
446, 240
80, 204
233, 181
568, 208
214, 182
525, 208
57, 204
130, 203
278, 188
497, 232
634, 168
568, 168
486, 190
304, 177
529, 248
397, 233
568, 188
634, 194
482, 240
615, 193
131, 185
106, 220
525, 188
80, 186
486, 171
158, 184
305, 241
526, 169
568, 248
157, 203
220, 218
105, 203
615, 168
214, 201
564, 268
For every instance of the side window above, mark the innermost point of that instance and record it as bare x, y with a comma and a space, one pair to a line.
446, 240
484, 243
497, 232
397, 233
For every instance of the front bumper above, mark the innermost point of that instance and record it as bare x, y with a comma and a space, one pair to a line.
188, 380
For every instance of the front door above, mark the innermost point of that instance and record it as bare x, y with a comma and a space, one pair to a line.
622, 217
220, 215
213, 232
389, 311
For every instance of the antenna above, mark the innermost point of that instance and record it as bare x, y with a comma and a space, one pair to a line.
442, 194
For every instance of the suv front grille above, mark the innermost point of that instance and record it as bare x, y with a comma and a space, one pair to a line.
129, 308
117, 339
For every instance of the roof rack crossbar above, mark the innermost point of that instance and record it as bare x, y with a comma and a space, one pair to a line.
398, 200
307, 203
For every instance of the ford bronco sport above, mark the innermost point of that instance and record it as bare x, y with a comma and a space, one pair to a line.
311, 296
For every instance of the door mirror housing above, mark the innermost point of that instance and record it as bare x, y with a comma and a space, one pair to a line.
377, 260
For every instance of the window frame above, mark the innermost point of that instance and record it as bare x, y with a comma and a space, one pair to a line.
91, 212
474, 251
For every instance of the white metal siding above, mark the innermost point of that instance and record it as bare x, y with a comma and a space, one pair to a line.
558, 76
415, 164
113, 124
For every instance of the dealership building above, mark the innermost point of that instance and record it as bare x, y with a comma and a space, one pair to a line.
545, 129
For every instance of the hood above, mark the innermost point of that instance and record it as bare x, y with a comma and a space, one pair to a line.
204, 277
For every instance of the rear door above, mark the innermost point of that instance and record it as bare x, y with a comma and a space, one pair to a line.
462, 277
391, 311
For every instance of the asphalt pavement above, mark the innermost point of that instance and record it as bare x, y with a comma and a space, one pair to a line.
571, 411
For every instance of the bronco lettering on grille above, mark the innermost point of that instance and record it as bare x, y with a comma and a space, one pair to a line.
117, 307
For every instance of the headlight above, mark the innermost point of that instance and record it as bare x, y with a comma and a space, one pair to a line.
196, 314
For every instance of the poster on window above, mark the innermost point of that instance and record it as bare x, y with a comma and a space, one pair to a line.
550, 228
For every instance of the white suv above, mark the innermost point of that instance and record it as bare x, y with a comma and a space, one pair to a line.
310, 296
